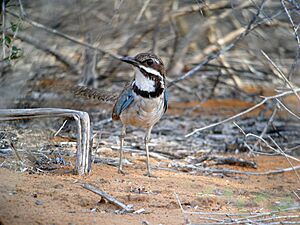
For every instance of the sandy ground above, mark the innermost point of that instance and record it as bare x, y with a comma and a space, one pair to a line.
60, 199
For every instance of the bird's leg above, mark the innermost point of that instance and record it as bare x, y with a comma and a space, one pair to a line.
122, 136
146, 140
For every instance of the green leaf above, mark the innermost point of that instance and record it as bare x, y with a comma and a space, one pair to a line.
7, 40
16, 52
13, 26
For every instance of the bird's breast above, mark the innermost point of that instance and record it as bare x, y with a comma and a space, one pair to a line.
143, 112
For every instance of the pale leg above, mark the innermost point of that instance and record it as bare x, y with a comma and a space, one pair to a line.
122, 136
147, 139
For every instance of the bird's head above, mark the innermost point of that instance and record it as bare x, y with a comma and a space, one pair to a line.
149, 72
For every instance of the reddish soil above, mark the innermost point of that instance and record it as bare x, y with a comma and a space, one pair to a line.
60, 199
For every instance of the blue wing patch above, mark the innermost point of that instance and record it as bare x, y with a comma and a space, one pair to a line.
166, 95
124, 100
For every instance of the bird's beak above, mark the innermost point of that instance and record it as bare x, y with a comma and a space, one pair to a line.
130, 60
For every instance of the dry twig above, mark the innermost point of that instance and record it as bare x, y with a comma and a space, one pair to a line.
68, 37
282, 75
295, 29
3, 9
186, 219
48, 49
226, 48
265, 99
109, 198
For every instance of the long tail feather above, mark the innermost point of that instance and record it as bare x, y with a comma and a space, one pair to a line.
79, 91
97, 94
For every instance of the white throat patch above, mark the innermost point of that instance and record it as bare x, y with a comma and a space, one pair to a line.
142, 82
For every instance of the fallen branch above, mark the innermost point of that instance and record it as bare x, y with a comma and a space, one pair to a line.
109, 198
187, 168
252, 214
220, 160
227, 171
83, 155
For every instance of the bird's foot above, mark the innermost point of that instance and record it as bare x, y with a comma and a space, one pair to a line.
148, 174
120, 171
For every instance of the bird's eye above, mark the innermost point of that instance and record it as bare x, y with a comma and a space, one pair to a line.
149, 62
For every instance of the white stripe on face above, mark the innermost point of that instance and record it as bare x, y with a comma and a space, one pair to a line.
152, 71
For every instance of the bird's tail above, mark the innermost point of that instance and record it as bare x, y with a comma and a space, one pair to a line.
78, 91
93, 93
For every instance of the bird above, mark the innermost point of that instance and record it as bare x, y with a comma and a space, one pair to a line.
144, 101
141, 103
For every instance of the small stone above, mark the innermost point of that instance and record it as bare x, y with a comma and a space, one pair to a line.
58, 186
39, 202
139, 211
93, 209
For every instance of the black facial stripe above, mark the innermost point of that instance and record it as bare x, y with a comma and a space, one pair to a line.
146, 94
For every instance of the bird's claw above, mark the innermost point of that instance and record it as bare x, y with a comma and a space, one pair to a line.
120, 171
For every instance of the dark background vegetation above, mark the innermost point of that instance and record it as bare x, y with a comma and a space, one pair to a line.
183, 34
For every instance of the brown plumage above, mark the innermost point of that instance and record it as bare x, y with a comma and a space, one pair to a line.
60, 86
97, 94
